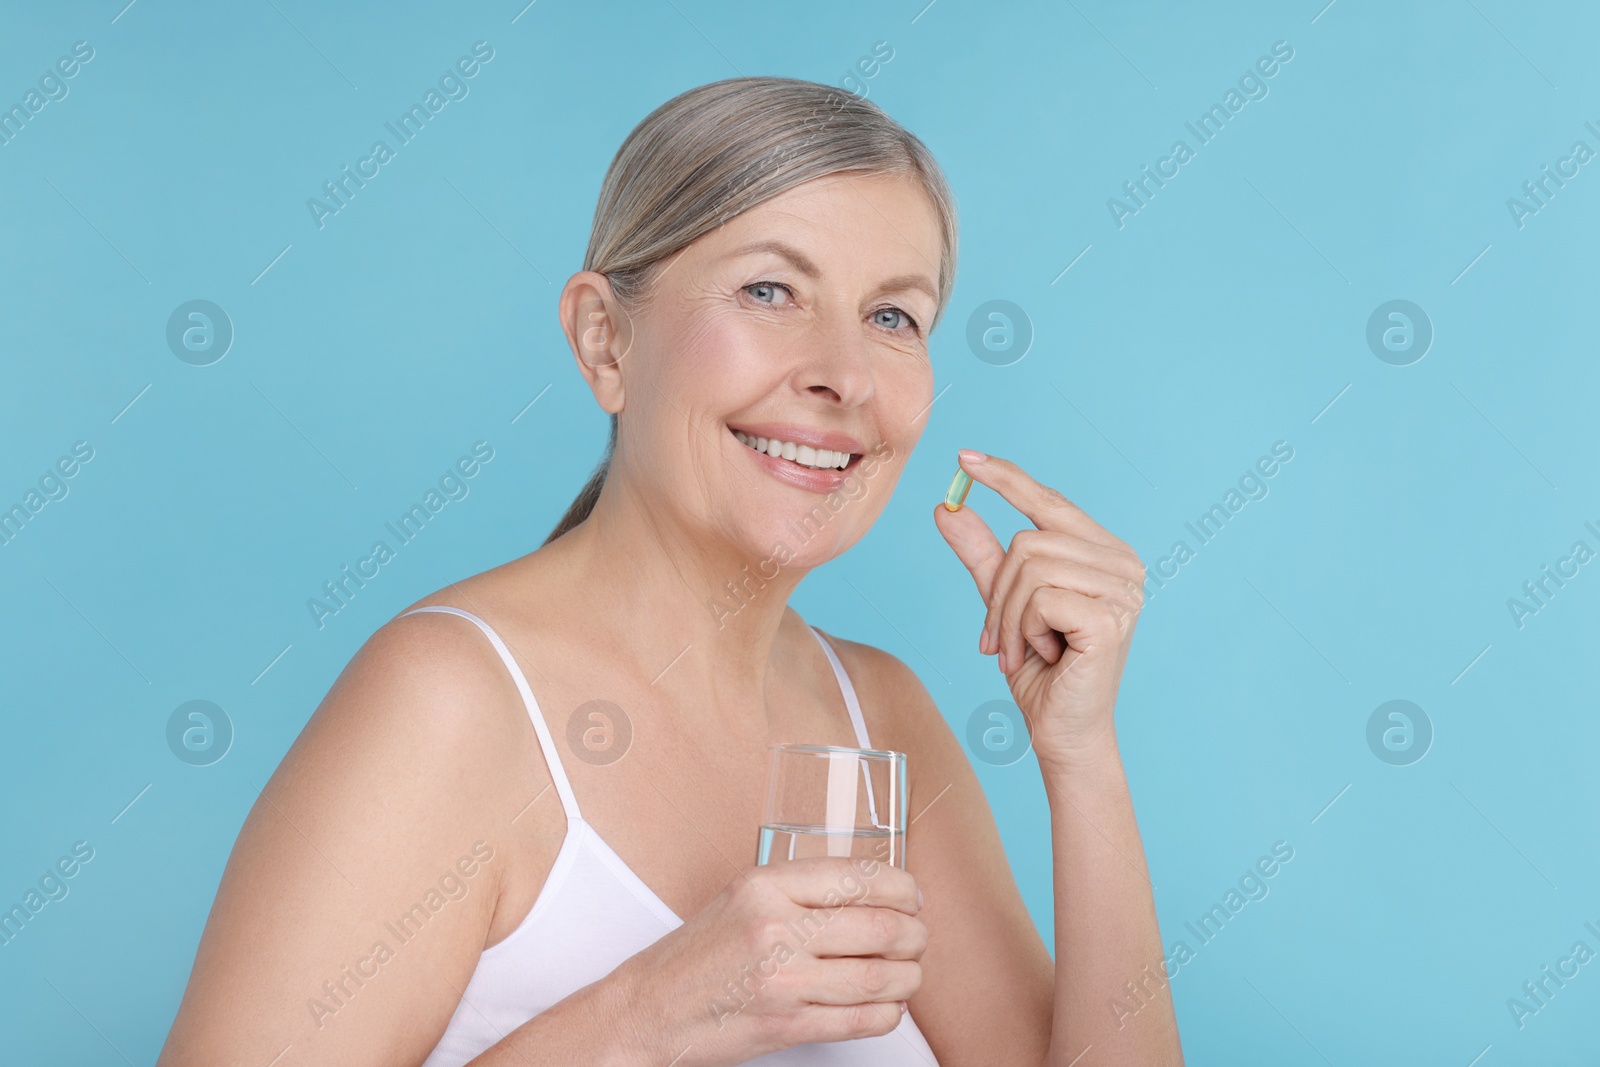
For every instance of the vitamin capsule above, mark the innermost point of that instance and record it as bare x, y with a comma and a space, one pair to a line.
958, 490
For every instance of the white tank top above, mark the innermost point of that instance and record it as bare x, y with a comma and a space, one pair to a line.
593, 913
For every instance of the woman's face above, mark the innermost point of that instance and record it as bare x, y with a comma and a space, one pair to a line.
800, 324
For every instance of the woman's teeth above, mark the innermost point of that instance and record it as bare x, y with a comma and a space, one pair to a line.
804, 455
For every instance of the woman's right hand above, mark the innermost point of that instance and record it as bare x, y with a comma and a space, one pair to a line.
817, 949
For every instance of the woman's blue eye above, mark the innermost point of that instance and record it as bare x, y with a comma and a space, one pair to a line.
754, 288
766, 285
896, 311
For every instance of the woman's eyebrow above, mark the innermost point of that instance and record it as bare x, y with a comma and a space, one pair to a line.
901, 282
804, 264
801, 261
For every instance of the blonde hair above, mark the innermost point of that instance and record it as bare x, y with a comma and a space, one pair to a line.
717, 150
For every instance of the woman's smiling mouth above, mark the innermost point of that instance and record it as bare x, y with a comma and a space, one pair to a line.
789, 453
804, 455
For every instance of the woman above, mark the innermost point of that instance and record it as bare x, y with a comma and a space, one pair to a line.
586, 727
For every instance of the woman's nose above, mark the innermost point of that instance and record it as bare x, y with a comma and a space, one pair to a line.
838, 363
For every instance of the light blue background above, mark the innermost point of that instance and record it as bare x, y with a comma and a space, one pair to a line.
1228, 314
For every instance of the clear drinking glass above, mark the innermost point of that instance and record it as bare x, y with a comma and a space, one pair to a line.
826, 800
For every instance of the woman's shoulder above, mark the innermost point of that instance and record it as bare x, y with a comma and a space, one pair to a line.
392, 793
431, 650
440, 649
416, 691
419, 702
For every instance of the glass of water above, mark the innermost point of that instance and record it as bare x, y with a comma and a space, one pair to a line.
826, 800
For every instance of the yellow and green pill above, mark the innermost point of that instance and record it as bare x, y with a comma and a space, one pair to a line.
958, 490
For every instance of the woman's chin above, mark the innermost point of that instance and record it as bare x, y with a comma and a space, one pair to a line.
795, 541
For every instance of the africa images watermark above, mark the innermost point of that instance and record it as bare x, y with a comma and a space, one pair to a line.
1252, 486
453, 885
1205, 128
1539, 992
1539, 191
53, 88
1549, 584
1252, 886
53, 886
745, 588
452, 87
52, 487
452, 486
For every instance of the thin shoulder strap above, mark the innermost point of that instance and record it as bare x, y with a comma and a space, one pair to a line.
558, 774
854, 706
849, 690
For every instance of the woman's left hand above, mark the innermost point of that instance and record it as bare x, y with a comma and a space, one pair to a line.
1062, 605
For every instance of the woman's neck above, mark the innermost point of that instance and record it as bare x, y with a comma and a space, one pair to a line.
675, 604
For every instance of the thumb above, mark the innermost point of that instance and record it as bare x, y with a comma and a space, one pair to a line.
974, 544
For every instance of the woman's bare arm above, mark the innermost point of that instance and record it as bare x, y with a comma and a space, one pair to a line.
990, 992
1111, 987
1061, 607
359, 894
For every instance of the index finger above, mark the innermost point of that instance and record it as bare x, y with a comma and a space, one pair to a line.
835, 881
1045, 507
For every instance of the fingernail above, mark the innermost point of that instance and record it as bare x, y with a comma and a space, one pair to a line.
1001, 661
903, 1008
919, 898
971, 456
983, 641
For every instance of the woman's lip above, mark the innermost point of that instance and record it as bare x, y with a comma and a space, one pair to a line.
800, 435
816, 479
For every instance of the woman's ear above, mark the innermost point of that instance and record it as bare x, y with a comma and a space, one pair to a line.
599, 333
